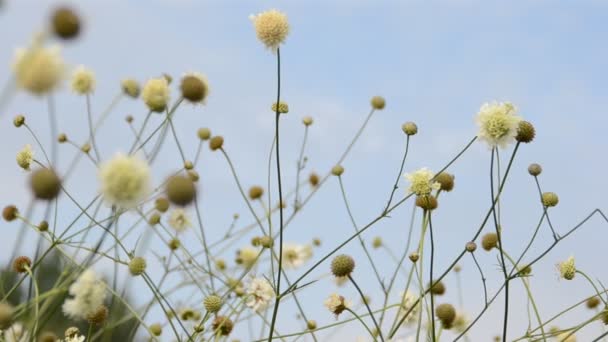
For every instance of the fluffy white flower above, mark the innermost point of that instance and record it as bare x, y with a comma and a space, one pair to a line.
16, 333
25, 157
83, 81
156, 94
260, 293
336, 304
421, 182
407, 301
271, 28
179, 220
295, 255
497, 123
125, 180
38, 70
88, 294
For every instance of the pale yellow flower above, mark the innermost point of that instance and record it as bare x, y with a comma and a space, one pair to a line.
156, 94
407, 301
25, 157
336, 304
498, 123
83, 81
567, 269
38, 70
248, 256
421, 182
179, 220
295, 255
125, 181
271, 28
260, 293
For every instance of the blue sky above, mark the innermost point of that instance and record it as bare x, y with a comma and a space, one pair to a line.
435, 62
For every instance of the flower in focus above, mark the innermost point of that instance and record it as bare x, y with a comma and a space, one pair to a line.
156, 94
125, 180
88, 292
295, 255
179, 220
83, 81
407, 301
271, 28
260, 293
38, 70
421, 182
567, 269
16, 333
25, 157
336, 304
498, 124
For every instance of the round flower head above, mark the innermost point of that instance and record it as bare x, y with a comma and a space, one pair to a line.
222, 325
137, 266
45, 184
213, 303
592, 302
446, 314
130, 87
525, 132
271, 28
216, 142
255, 192
179, 220
88, 294
471, 246
535, 169
156, 329
342, 265
10, 213
65, 23
336, 304
378, 102
156, 94
409, 128
377, 242
22, 264
567, 269
427, 202
489, 241
295, 255
438, 289
337, 170
247, 256
38, 70
550, 199
313, 179
161, 204
307, 120
124, 181
25, 157
446, 181
83, 81
283, 107
98, 316
204, 133
19, 120
16, 333
180, 190
421, 182
260, 293
6, 314
194, 87
311, 324
407, 303
498, 124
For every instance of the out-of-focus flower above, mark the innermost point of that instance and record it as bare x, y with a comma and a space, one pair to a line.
179, 220
295, 255
124, 180
16, 333
260, 293
38, 70
156, 94
83, 81
88, 292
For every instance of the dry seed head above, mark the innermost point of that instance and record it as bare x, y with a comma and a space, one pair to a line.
489, 241
180, 190
223, 325
19, 120
337, 170
86, 148
161, 204
255, 241
194, 88
156, 329
21, 264
535, 169
10, 213
378, 102
174, 244
213, 303
525, 132
592, 302
220, 264
6, 315
204, 133
62, 137
43, 226
427, 202
137, 266
307, 120
446, 314
414, 256
129, 118
266, 241
311, 324
471, 246
438, 289
154, 219
45, 184
216, 142
342, 265
255, 192
550, 199
98, 316
65, 23
409, 128
316, 242
445, 180
131, 88
313, 179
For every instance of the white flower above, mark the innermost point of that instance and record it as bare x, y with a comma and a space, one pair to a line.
25, 157
156, 94
271, 28
83, 81
38, 70
125, 180
336, 304
421, 182
16, 333
407, 301
260, 293
88, 292
248, 256
75, 338
498, 124
179, 220
295, 255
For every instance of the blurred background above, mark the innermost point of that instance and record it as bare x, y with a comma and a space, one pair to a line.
434, 61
